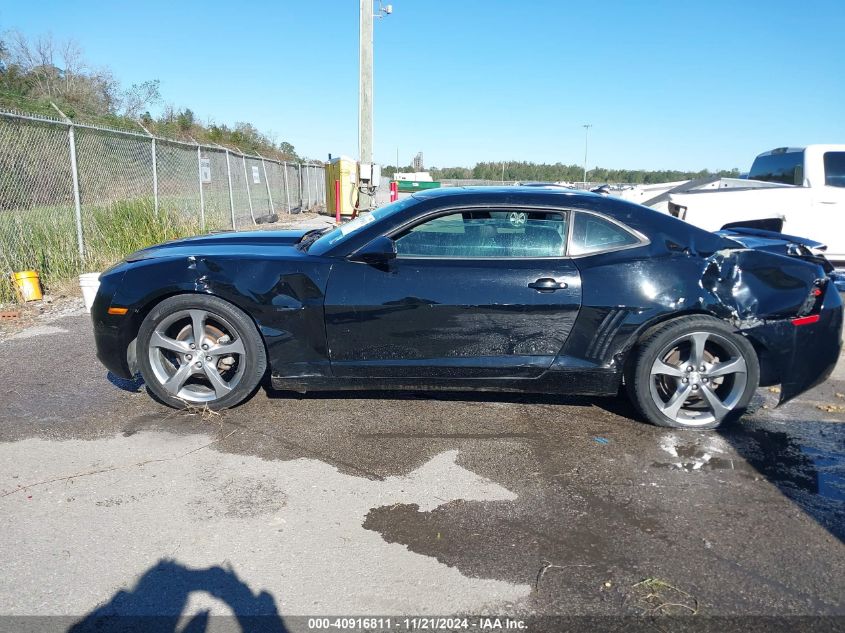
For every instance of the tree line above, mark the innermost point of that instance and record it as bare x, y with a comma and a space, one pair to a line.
37, 72
559, 172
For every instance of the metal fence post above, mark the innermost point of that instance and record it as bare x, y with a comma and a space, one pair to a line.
76, 200
155, 177
248, 194
155, 162
310, 178
308, 185
231, 197
303, 185
299, 176
287, 188
202, 195
267, 183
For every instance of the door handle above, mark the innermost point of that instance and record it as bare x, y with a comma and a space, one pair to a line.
547, 284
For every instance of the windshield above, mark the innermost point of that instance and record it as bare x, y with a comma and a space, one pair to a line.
340, 233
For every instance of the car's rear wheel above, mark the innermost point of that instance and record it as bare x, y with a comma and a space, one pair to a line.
693, 372
196, 350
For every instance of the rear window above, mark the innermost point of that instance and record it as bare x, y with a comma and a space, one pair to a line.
593, 234
783, 167
834, 169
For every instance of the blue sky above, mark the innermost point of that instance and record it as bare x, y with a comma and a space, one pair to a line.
666, 84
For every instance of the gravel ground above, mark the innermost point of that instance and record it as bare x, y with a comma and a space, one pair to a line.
404, 503
20, 317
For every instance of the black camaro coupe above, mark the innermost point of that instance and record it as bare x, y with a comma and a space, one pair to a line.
530, 289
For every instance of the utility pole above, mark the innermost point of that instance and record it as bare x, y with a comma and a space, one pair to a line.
587, 127
365, 88
365, 94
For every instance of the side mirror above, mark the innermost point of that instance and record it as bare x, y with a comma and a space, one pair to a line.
378, 251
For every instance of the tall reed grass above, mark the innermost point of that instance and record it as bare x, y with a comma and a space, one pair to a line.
45, 239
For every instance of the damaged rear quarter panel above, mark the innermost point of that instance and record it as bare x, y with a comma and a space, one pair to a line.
751, 285
745, 288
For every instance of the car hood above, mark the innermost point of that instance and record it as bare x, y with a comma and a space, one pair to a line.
221, 243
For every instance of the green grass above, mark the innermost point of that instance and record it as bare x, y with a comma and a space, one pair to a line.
45, 239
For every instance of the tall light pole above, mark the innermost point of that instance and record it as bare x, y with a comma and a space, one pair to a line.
365, 92
586, 127
365, 87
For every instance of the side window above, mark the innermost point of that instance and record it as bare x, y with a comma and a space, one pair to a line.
487, 234
594, 234
834, 169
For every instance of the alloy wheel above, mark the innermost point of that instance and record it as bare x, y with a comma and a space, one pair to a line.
196, 355
698, 378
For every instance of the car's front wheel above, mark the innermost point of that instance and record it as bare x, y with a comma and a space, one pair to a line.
693, 372
196, 350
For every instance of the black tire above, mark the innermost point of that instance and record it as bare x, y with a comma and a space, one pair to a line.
229, 348
656, 388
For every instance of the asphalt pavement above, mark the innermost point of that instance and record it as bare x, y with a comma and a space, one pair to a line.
404, 503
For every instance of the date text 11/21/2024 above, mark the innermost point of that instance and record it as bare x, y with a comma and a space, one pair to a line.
378, 624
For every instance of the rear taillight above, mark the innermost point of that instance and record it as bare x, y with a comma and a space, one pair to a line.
813, 303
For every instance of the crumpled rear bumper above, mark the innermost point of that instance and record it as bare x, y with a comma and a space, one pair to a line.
803, 356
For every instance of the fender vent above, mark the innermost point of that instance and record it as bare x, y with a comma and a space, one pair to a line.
606, 332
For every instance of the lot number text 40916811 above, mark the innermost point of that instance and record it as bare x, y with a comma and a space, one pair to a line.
422, 623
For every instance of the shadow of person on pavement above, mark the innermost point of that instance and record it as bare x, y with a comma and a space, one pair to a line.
157, 602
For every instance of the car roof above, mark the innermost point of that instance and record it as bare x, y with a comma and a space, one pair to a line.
643, 219
499, 192
829, 147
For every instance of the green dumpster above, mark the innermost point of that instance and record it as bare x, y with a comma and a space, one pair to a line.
410, 186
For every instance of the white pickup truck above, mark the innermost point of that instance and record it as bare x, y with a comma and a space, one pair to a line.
797, 191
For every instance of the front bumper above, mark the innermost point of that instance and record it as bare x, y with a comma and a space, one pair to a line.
112, 334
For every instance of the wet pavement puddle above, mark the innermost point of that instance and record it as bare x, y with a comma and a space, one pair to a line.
690, 457
805, 462
762, 453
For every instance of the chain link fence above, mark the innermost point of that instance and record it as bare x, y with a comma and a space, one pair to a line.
77, 197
